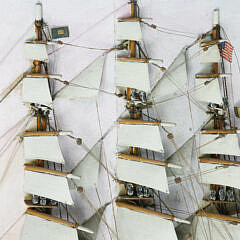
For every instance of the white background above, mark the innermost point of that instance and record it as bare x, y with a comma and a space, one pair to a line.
91, 23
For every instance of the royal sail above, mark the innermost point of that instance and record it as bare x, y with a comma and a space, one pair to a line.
128, 30
42, 96
139, 77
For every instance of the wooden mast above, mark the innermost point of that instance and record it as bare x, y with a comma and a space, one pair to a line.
132, 48
218, 120
37, 67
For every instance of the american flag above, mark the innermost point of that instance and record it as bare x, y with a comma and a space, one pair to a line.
226, 51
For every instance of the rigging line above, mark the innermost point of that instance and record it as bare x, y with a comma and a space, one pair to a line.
103, 215
173, 30
105, 158
190, 58
81, 46
185, 201
164, 31
102, 164
170, 211
96, 210
15, 44
12, 86
81, 86
92, 26
15, 125
15, 222
8, 143
10, 161
215, 139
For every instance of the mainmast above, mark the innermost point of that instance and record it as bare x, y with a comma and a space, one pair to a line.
37, 68
134, 113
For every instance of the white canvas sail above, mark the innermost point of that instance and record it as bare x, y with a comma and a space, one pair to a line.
146, 174
213, 144
142, 136
93, 224
141, 226
42, 147
209, 228
36, 90
218, 174
88, 168
129, 31
39, 229
174, 81
210, 55
182, 157
48, 185
209, 93
133, 75
35, 51
86, 84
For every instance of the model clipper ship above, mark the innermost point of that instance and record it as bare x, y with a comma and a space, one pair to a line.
46, 188
217, 217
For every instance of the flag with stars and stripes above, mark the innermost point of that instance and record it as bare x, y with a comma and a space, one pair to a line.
226, 51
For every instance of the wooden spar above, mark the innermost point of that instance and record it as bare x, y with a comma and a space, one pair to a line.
50, 218
218, 161
44, 170
218, 216
129, 198
132, 59
141, 159
138, 122
29, 204
210, 43
57, 220
31, 134
219, 131
151, 212
219, 201
144, 210
131, 19
207, 75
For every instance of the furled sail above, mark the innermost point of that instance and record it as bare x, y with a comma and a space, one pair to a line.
219, 174
146, 174
48, 185
128, 30
88, 168
174, 81
140, 135
219, 144
136, 225
133, 74
42, 147
36, 51
36, 90
87, 83
210, 54
208, 90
